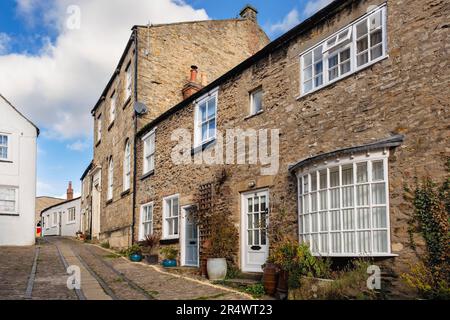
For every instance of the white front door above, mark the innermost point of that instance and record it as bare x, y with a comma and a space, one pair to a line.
255, 242
96, 205
190, 243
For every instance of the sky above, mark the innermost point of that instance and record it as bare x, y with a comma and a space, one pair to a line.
56, 57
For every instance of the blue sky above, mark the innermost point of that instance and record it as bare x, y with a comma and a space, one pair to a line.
54, 74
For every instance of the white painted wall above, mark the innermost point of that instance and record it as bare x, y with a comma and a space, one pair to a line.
18, 172
62, 226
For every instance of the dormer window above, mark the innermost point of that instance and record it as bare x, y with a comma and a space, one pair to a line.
347, 51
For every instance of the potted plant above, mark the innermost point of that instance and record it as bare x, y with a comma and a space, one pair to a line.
134, 253
170, 253
148, 245
222, 245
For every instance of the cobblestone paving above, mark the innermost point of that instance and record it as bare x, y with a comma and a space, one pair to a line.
116, 277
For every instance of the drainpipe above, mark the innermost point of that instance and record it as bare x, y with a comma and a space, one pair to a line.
136, 54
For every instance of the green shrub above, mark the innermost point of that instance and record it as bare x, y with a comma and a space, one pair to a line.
170, 253
256, 290
134, 249
105, 245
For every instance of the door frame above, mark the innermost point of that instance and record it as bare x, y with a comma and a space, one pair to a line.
184, 210
243, 240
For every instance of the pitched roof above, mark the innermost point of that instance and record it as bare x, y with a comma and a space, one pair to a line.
302, 28
11, 105
59, 204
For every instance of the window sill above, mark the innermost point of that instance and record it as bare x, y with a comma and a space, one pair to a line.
127, 102
111, 125
169, 241
203, 147
148, 174
301, 96
253, 115
125, 193
98, 143
9, 214
6, 161
71, 223
374, 255
109, 202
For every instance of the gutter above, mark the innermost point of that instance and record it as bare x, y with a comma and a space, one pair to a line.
136, 55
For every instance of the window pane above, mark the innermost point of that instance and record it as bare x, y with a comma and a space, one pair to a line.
345, 67
349, 242
377, 171
379, 217
175, 207
250, 205
362, 195
347, 197
362, 59
361, 28
175, 226
347, 175
314, 202
307, 226
257, 101
362, 172
306, 184
263, 204
323, 200
363, 217
315, 222
333, 61
307, 86
250, 238
362, 45
315, 243
307, 73
334, 177
347, 218
335, 219
257, 224
334, 199
204, 131
364, 241
307, 59
211, 108
212, 129
313, 181
256, 237
380, 241
323, 179
250, 221
376, 38
323, 221
336, 242
378, 193
203, 112
376, 52
324, 243
256, 204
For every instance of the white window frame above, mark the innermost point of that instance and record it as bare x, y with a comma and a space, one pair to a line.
166, 200
112, 108
198, 141
328, 52
142, 234
369, 158
110, 179
16, 201
127, 166
149, 154
7, 146
128, 82
253, 110
69, 212
99, 128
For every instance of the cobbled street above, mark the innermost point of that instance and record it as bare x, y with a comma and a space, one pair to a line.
39, 273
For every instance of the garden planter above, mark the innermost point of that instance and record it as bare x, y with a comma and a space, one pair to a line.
217, 269
270, 279
169, 263
283, 285
136, 257
152, 259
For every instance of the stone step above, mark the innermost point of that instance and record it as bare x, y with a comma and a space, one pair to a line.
251, 276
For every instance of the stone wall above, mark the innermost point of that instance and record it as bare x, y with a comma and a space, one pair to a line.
165, 55
405, 93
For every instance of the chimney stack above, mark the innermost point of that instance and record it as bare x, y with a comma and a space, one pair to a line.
192, 86
249, 12
70, 191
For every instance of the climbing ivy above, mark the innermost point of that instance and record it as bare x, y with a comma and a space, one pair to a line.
431, 201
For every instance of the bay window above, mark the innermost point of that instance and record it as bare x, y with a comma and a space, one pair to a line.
352, 48
206, 119
171, 212
343, 206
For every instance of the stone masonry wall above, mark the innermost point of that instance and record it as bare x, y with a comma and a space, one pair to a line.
215, 46
405, 93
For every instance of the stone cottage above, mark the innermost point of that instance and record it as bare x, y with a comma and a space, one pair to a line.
151, 77
334, 118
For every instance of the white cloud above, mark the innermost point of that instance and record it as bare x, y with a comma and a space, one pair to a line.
78, 145
290, 21
4, 42
315, 5
58, 87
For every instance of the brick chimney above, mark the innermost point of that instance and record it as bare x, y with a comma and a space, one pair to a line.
249, 12
192, 86
70, 191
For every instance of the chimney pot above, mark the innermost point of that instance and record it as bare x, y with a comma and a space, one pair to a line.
192, 86
194, 72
